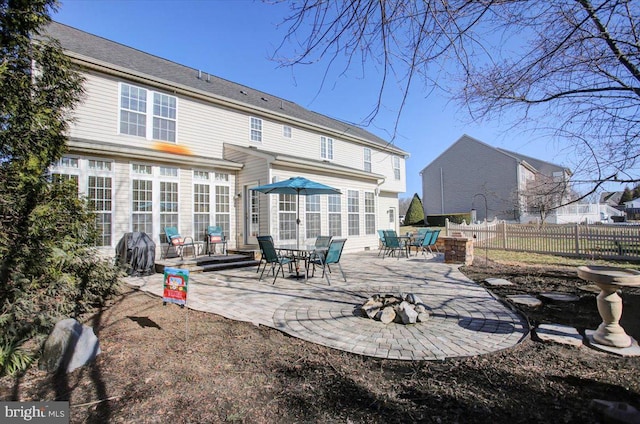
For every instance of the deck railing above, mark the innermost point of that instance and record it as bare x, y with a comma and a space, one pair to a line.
618, 242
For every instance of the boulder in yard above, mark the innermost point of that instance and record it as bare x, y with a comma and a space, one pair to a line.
69, 346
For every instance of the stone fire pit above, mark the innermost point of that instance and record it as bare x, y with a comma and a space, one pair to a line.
399, 308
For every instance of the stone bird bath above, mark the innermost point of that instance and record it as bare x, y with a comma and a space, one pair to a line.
609, 280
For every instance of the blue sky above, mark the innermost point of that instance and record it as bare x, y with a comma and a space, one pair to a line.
235, 40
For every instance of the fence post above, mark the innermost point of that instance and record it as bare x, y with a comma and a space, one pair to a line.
446, 226
577, 236
504, 235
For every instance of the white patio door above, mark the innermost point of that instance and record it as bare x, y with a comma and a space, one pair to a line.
251, 214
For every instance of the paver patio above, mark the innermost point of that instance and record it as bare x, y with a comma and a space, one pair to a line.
465, 319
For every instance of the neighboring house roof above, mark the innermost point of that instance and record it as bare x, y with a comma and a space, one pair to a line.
531, 163
103, 52
545, 167
611, 198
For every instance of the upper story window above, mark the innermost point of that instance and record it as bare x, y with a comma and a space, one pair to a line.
326, 148
133, 110
164, 117
286, 131
135, 119
256, 129
396, 167
367, 159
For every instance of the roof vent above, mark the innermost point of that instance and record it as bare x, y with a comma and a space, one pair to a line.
265, 99
208, 78
243, 92
199, 74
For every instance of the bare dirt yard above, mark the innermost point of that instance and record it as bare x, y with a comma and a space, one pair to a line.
151, 371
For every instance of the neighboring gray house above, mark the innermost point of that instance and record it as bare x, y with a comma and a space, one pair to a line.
611, 198
155, 143
470, 171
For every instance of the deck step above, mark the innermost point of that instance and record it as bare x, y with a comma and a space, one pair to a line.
207, 263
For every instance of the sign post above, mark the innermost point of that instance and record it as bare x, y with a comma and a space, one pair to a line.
176, 282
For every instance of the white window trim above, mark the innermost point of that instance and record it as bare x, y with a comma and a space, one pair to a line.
326, 148
396, 166
148, 114
367, 160
258, 131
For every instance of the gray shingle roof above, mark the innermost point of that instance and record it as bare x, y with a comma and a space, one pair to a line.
102, 49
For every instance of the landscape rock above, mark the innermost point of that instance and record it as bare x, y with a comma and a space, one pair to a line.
412, 298
405, 308
498, 282
615, 412
526, 300
561, 334
560, 297
70, 345
371, 307
387, 315
407, 313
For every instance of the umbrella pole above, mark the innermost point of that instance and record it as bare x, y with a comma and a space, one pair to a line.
298, 221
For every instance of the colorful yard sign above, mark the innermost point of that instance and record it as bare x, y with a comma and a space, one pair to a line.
175, 286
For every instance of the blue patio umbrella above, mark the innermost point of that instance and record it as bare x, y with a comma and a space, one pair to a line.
298, 186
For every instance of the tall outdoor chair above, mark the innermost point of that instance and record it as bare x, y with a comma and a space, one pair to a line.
263, 261
270, 256
394, 245
418, 240
216, 236
429, 242
321, 246
382, 246
175, 240
434, 238
331, 258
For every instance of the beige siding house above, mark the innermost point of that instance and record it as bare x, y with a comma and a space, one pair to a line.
155, 143
469, 171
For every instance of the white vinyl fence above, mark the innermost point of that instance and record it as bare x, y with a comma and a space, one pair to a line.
619, 242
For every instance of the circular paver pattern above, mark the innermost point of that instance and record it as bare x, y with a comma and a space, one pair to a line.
466, 326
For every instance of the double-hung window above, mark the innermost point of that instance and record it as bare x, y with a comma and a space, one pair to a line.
142, 199
201, 203
287, 209
135, 117
164, 117
313, 215
396, 167
100, 197
286, 131
335, 215
326, 148
256, 129
133, 110
369, 213
353, 218
169, 205
223, 208
367, 159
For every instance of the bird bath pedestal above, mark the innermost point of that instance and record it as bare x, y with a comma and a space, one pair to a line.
609, 280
